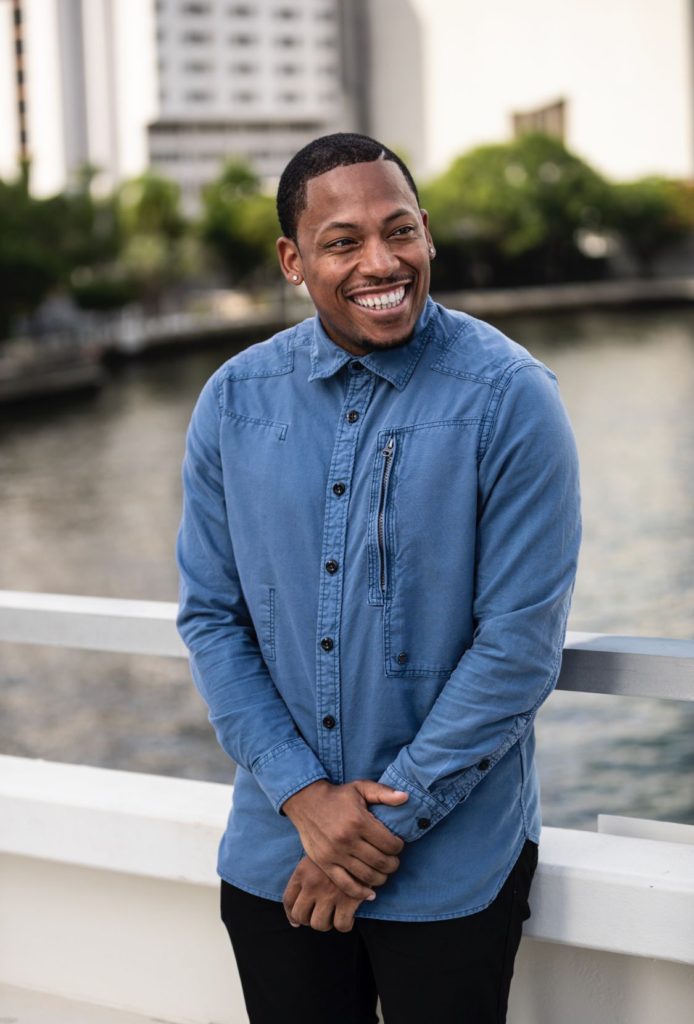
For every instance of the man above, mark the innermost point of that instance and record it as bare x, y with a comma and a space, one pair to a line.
377, 554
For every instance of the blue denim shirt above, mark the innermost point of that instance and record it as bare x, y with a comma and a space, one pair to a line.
377, 557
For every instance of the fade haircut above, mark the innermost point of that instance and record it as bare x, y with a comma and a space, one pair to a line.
320, 156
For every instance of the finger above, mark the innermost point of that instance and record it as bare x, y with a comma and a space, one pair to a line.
322, 916
376, 834
377, 793
364, 873
302, 909
343, 918
349, 885
377, 861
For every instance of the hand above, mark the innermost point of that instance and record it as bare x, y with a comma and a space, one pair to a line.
341, 836
312, 899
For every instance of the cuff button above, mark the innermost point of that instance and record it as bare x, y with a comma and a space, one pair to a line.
484, 764
423, 822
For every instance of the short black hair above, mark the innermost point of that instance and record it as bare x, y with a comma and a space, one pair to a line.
320, 156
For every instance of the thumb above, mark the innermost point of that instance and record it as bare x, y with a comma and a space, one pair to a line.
377, 793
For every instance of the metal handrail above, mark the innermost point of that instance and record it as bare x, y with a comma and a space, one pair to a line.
630, 666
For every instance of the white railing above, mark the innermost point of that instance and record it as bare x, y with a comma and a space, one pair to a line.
593, 662
121, 865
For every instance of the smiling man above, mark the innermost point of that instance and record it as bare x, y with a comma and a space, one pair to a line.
377, 554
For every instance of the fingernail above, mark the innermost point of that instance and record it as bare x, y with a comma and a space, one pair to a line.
371, 897
400, 792
294, 925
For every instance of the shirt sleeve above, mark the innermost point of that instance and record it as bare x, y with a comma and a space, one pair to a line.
252, 723
527, 550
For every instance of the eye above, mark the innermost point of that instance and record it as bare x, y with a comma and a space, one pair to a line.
340, 243
404, 231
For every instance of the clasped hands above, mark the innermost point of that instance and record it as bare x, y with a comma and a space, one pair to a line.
348, 851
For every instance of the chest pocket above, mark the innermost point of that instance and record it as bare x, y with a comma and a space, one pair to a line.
421, 543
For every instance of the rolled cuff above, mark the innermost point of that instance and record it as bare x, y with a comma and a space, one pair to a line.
286, 769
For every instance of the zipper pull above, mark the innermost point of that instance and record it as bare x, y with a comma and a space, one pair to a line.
389, 448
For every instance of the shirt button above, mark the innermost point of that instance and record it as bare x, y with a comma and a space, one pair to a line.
329, 722
484, 764
339, 489
331, 566
402, 658
357, 367
327, 643
423, 822
352, 416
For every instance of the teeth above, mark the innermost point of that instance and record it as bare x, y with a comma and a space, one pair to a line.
383, 301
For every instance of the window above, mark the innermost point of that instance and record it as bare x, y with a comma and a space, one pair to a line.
286, 13
287, 41
197, 96
197, 66
241, 39
191, 8
289, 97
288, 69
242, 68
243, 96
240, 10
196, 37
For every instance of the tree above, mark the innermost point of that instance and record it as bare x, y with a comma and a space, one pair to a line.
517, 208
651, 214
239, 223
157, 249
31, 263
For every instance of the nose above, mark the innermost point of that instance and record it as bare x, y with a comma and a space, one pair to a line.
377, 258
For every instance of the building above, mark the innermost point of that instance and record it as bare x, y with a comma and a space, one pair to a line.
254, 80
76, 85
615, 78
183, 84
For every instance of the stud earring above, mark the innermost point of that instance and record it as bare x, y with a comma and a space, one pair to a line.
432, 252
295, 277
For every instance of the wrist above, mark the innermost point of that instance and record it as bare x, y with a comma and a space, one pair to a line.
293, 807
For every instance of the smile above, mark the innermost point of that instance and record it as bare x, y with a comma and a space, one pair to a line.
381, 300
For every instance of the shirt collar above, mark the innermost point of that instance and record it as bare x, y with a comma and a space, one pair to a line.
393, 364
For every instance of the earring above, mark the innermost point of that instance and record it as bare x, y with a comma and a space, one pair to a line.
432, 252
295, 277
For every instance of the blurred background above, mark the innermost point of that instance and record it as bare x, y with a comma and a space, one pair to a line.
140, 147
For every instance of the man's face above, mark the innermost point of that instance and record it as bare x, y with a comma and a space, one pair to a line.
363, 250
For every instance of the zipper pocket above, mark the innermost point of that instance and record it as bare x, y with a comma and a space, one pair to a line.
388, 454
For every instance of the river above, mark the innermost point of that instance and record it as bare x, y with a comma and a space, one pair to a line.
89, 504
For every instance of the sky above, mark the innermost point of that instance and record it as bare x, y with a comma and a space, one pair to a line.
625, 65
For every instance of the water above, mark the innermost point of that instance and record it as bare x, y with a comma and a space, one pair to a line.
89, 504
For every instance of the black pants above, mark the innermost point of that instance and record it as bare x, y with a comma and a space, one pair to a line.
451, 972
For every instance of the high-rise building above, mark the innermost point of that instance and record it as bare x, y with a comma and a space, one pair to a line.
256, 80
76, 89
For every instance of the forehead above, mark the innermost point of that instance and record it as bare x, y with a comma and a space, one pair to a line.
354, 194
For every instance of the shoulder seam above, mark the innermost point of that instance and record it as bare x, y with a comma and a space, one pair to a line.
499, 389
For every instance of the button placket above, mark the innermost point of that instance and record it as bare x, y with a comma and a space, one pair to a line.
360, 386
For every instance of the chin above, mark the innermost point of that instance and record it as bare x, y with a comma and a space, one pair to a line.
372, 345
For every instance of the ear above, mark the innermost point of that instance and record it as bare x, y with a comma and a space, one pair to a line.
427, 232
290, 260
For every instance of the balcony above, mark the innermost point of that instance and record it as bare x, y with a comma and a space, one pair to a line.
108, 893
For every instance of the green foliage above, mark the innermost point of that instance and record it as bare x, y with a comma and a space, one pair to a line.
518, 206
239, 223
31, 263
150, 205
652, 214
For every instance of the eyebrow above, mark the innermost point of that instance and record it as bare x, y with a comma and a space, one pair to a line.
344, 225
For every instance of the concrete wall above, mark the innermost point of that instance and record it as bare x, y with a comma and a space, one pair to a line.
108, 896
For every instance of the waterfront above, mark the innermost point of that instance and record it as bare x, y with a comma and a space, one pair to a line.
90, 502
